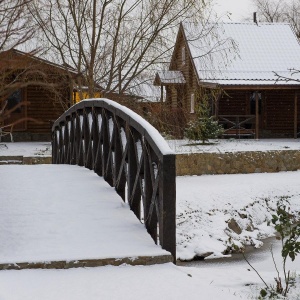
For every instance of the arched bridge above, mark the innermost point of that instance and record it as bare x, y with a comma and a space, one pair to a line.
129, 154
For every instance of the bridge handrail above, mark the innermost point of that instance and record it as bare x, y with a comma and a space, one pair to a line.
129, 153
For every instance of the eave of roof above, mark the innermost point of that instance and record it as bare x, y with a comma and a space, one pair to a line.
169, 78
39, 59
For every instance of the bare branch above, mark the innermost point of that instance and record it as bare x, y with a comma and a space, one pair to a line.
112, 43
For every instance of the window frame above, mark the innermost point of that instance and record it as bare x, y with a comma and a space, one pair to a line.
192, 103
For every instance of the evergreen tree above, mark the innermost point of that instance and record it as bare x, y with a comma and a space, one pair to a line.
203, 127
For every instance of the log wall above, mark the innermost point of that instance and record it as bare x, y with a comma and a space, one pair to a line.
278, 108
42, 108
234, 103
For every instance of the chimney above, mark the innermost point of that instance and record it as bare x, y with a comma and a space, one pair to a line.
254, 18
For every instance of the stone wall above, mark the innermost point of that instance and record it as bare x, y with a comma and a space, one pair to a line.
237, 162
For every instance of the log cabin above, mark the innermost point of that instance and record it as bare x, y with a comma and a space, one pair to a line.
247, 70
34, 92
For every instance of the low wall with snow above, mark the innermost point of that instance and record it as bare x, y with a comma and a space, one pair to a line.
237, 162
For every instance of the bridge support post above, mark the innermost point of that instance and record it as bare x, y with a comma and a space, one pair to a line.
167, 202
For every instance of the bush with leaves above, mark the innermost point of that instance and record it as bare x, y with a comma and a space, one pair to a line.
289, 234
204, 126
288, 228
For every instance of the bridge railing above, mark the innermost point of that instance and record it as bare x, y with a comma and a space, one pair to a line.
129, 153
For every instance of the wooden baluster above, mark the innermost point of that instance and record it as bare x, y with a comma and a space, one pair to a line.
150, 215
106, 161
134, 197
120, 177
73, 140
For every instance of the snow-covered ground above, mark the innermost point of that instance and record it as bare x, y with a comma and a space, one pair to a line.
26, 149
179, 146
205, 205
234, 145
167, 282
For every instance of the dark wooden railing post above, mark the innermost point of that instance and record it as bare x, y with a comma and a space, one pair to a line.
127, 151
167, 206
296, 115
256, 115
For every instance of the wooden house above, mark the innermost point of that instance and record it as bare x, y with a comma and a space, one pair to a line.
34, 92
245, 69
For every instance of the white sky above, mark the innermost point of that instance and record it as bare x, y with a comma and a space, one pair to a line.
239, 9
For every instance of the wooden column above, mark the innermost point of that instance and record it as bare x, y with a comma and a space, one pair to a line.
161, 93
217, 105
295, 114
256, 115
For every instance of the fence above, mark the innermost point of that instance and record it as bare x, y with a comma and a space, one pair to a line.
129, 153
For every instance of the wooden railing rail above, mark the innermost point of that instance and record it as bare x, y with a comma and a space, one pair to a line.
131, 156
238, 125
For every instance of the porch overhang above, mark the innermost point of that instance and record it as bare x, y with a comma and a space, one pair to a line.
164, 78
260, 87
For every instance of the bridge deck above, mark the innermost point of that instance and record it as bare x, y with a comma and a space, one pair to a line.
62, 216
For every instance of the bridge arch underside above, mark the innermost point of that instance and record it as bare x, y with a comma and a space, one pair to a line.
130, 155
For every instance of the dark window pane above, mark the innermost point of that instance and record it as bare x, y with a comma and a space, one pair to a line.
13, 100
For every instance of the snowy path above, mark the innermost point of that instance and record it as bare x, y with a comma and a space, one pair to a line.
63, 213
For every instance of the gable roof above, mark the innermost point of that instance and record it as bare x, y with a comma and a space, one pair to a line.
263, 49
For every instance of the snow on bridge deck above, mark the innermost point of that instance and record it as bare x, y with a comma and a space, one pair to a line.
61, 216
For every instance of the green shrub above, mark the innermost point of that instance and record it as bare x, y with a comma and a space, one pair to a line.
203, 127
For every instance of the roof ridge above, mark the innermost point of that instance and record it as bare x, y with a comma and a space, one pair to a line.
239, 71
256, 24
242, 23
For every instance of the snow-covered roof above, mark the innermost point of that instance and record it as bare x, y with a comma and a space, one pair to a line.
169, 77
146, 91
34, 57
262, 51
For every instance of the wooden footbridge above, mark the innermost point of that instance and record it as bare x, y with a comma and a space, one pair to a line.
131, 156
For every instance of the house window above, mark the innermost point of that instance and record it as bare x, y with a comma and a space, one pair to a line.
253, 103
192, 103
183, 55
14, 100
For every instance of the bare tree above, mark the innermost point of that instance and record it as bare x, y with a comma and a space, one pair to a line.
14, 31
293, 16
271, 10
18, 70
14, 23
112, 43
279, 11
